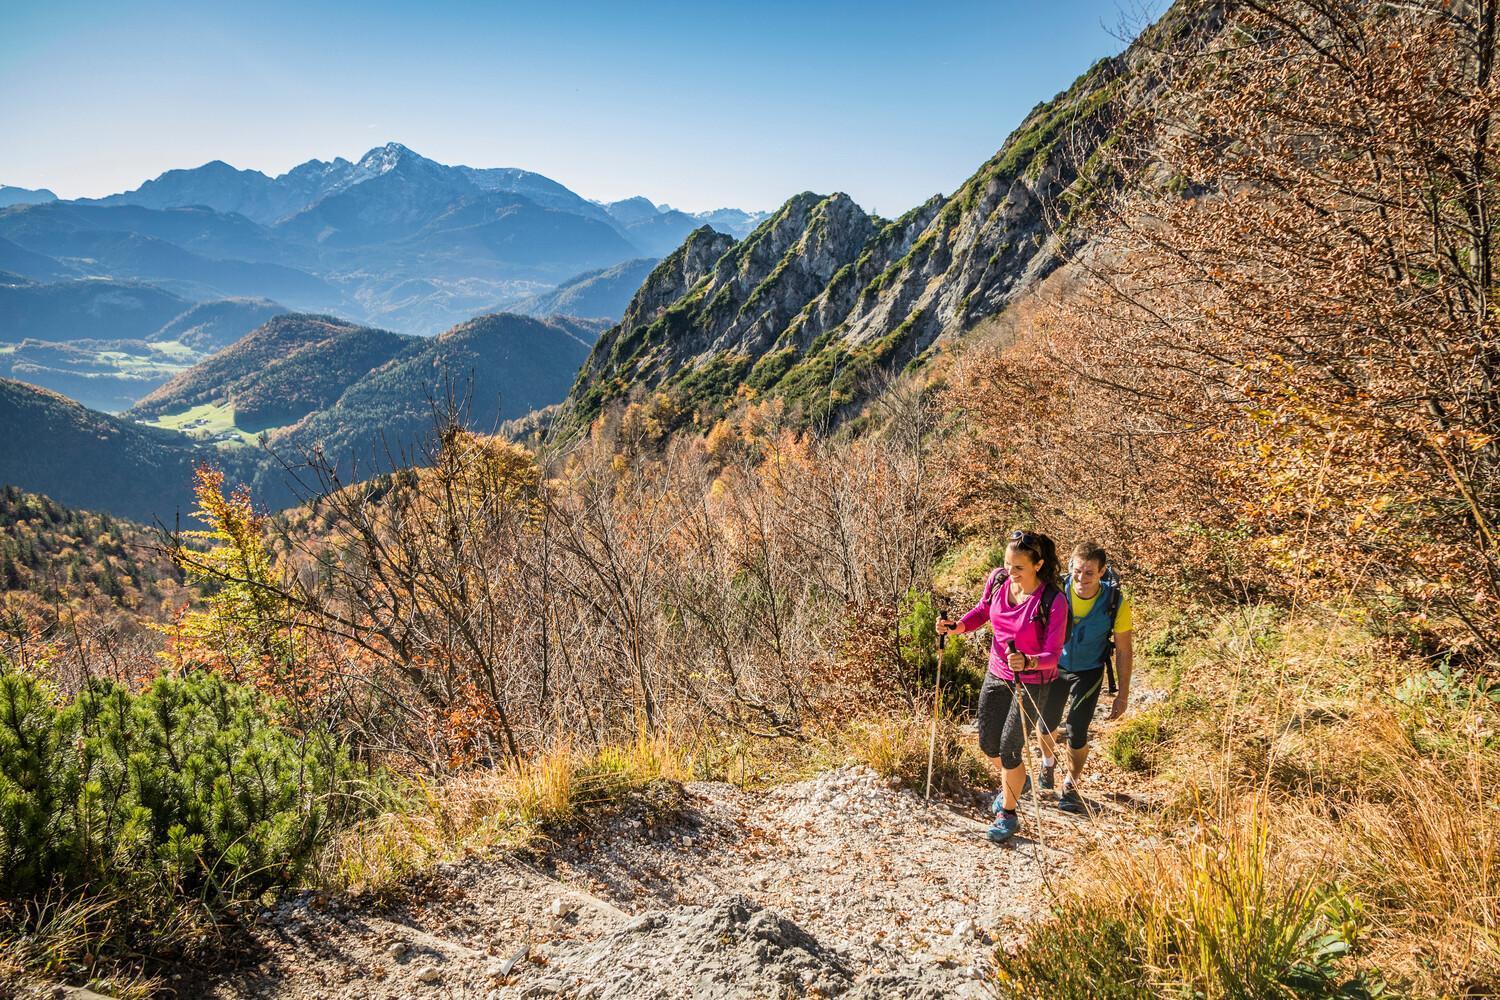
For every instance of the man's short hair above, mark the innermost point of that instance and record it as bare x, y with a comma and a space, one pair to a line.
1092, 552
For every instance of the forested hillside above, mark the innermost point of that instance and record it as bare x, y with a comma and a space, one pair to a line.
656, 695
88, 459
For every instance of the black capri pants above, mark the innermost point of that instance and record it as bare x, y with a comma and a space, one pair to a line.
1082, 689
1007, 710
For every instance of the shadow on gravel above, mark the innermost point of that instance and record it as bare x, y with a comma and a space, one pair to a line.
633, 853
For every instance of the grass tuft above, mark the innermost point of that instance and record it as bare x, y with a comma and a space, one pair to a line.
425, 823
1217, 917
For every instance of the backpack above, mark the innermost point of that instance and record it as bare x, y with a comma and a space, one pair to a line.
1112, 608
1044, 608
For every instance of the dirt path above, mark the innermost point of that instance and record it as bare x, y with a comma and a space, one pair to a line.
836, 886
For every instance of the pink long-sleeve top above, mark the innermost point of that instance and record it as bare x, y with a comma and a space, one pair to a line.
1018, 621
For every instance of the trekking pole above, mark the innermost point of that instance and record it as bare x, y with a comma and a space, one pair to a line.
1029, 735
937, 687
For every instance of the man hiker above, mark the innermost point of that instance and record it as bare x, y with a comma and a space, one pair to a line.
1101, 623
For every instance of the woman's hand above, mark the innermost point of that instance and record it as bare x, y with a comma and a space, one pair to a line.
1018, 662
946, 627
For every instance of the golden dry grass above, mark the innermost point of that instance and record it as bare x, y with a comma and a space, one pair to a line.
1316, 797
482, 810
897, 746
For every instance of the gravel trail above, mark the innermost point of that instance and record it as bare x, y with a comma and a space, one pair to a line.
837, 886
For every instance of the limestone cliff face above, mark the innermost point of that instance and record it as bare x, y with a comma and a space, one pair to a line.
672, 278
821, 297
715, 306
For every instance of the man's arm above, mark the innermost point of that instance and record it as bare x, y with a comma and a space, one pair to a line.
1124, 660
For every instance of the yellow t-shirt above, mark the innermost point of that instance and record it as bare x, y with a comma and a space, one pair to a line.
1124, 621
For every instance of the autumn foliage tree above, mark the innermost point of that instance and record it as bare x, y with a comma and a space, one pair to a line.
1279, 356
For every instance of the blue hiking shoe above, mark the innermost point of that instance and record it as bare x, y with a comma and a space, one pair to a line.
1005, 826
999, 802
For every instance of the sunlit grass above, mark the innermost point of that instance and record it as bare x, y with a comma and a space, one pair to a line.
426, 823
209, 422
1318, 833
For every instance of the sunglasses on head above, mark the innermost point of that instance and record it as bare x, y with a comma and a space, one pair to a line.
1024, 537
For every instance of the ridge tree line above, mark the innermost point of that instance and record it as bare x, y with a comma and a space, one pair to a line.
485, 601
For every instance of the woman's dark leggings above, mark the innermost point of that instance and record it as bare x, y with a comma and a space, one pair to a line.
1007, 711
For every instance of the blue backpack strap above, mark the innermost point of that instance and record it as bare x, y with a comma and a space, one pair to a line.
1112, 606
1116, 598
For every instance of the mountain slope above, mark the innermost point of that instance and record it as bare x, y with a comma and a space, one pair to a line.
210, 326
93, 309
53, 445
215, 185
659, 233
17, 260
24, 196
71, 229
748, 313
503, 366
48, 548
526, 238
605, 292
820, 298
314, 383
278, 373
111, 374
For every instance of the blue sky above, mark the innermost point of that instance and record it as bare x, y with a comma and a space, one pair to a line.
697, 104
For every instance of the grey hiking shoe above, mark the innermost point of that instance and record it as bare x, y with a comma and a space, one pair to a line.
1068, 800
1049, 776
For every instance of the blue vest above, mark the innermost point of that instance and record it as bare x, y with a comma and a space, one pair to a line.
1088, 640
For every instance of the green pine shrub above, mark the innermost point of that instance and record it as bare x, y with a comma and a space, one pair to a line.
188, 790
917, 638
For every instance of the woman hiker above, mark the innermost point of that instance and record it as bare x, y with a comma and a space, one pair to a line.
1029, 615
1102, 624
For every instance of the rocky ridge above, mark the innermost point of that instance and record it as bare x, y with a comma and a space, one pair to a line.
821, 298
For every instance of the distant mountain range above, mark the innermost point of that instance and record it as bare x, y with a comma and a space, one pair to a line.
24, 196
394, 239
